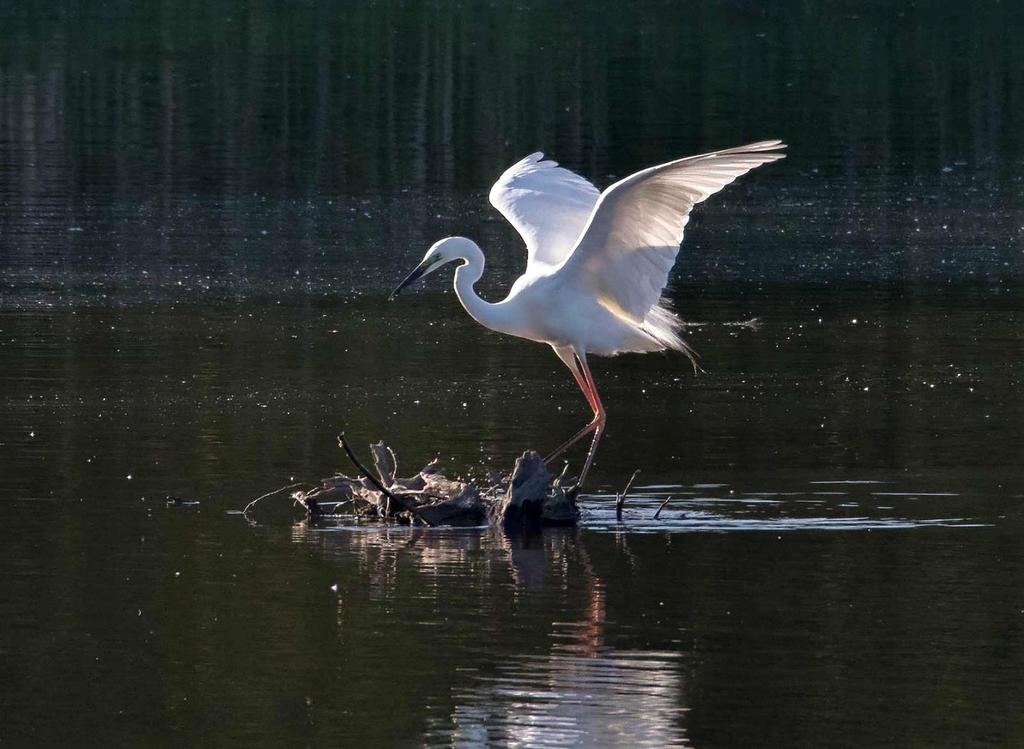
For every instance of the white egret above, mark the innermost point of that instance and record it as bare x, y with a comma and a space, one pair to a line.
597, 262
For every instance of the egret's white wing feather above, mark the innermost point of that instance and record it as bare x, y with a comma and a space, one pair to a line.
630, 243
547, 204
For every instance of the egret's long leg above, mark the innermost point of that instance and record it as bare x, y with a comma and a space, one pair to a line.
590, 427
577, 373
573, 363
599, 420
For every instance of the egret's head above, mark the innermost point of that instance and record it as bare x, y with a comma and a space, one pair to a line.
440, 253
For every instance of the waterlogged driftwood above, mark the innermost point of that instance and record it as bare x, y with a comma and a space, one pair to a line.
533, 496
388, 499
529, 495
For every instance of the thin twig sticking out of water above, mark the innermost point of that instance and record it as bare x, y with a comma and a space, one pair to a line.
245, 510
620, 499
667, 500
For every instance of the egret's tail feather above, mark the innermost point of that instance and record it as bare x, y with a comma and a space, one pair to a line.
663, 325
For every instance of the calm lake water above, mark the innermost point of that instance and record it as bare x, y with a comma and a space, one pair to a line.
202, 207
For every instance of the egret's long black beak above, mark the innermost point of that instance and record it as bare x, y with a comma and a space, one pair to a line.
412, 278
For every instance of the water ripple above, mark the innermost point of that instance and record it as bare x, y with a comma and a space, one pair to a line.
565, 699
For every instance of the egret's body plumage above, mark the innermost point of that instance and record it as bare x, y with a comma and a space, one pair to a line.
597, 262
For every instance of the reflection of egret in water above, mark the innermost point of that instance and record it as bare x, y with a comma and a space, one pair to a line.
532, 553
580, 693
534, 667
610, 698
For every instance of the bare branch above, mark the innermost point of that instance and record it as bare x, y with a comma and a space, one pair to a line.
245, 510
621, 498
400, 501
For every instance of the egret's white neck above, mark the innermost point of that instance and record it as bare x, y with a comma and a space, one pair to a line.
466, 275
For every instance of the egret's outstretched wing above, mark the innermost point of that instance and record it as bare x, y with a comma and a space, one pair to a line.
630, 243
547, 204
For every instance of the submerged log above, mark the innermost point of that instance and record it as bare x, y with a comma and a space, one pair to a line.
528, 496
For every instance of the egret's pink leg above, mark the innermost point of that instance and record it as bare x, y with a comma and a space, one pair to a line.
595, 404
599, 420
571, 441
583, 386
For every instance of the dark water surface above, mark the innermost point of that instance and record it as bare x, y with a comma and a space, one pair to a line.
202, 207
